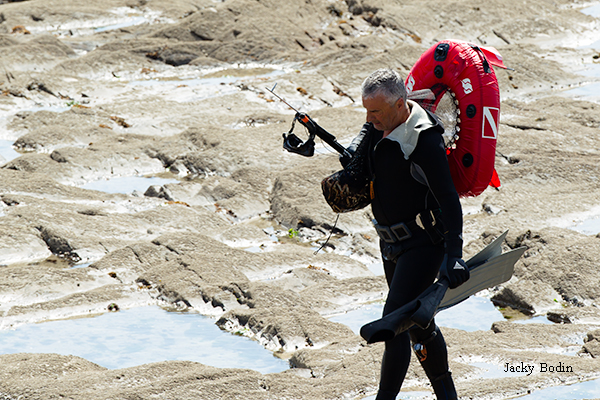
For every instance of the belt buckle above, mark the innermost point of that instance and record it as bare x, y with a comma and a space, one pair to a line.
419, 220
385, 233
433, 220
401, 231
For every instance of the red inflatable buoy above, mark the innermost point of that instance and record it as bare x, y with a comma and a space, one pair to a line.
465, 70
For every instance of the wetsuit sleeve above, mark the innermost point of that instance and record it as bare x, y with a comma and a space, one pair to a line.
355, 143
430, 156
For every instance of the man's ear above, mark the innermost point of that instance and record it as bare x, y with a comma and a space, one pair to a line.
399, 104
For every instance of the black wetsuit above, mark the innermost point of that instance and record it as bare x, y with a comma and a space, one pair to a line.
399, 197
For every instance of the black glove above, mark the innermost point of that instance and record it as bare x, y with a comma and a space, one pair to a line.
455, 270
345, 160
358, 148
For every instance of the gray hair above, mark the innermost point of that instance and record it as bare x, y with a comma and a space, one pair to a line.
387, 82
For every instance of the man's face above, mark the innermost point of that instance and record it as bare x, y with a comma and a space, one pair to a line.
383, 115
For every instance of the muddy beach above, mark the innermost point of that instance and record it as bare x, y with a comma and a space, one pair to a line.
142, 175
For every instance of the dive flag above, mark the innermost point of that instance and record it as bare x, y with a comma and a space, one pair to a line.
489, 129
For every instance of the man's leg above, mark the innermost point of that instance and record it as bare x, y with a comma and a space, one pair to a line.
394, 365
430, 347
412, 273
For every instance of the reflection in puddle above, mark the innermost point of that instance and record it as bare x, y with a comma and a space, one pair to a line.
474, 314
139, 336
126, 184
577, 391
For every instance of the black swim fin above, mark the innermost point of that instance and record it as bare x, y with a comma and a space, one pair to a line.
419, 312
488, 268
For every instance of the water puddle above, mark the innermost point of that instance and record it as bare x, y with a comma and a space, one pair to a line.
540, 319
131, 21
594, 10
122, 17
139, 336
126, 184
590, 70
474, 314
7, 152
414, 395
577, 391
589, 226
494, 371
216, 84
376, 268
587, 222
77, 266
356, 318
589, 92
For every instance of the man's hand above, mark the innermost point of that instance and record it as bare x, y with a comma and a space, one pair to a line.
455, 270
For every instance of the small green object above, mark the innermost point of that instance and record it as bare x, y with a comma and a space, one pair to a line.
292, 233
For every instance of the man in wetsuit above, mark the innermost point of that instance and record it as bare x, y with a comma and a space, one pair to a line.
418, 218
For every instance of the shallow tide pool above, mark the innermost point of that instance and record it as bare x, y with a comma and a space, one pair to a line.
474, 314
594, 10
589, 92
126, 184
587, 222
7, 152
406, 396
589, 226
577, 391
139, 336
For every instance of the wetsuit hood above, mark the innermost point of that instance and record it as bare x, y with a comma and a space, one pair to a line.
407, 133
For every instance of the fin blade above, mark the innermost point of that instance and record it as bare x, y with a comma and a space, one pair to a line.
492, 250
493, 272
